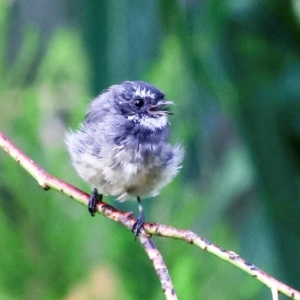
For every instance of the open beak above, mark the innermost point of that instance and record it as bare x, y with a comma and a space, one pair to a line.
161, 108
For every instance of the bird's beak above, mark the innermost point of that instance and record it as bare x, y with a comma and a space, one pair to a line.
161, 108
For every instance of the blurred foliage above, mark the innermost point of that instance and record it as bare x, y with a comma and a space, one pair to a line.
233, 70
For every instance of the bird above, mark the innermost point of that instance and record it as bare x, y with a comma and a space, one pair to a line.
122, 147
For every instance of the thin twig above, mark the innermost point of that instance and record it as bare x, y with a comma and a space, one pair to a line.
159, 266
274, 293
47, 181
229, 256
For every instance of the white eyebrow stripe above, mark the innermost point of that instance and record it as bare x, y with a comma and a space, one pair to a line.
144, 93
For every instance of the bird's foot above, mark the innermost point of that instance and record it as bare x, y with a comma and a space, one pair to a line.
138, 225
94, 199
140, 221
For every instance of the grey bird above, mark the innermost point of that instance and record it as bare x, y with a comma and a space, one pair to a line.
122, 149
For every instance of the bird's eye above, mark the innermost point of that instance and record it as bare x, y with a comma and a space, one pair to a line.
139, 102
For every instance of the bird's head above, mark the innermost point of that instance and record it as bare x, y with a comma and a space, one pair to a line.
142, 104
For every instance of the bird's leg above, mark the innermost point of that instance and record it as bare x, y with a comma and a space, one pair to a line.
138, 225
94, 199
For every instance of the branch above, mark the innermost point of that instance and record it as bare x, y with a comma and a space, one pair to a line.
159, 266
47, 181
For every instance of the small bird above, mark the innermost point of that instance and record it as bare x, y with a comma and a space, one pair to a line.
122, 149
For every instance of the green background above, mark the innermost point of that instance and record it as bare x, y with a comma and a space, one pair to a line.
233, 69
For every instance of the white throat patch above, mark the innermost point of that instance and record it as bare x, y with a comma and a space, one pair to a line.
150, 123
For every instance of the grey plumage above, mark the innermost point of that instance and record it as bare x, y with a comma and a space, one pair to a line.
122, 148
